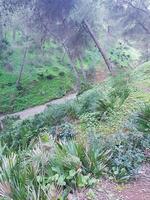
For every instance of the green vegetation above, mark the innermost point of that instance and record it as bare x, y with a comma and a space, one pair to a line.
64, 148
143, 119
47, 75
43, 79
93, 57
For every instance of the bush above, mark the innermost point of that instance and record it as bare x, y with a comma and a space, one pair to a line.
84, 87
120, 56
5, 52
74, 165
63, 131
73, 109
95, 107
54, 115
88, 101
91, 119
50, 76
143, 119
18, 136
62, 74
19, 180
127, 156
45, 74
120, 89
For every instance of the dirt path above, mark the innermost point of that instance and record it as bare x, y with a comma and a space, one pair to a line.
31, 112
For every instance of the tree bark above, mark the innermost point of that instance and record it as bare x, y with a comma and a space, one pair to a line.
22, 67
1, 125
74, 68
14, 34
88, 29
1, 31
82, 69
78, 81
147, 52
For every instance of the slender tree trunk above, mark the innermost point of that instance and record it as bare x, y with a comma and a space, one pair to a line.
82, 69
1, 125
147, 52
14, 34
74, 68
22, 67
1, 31
88, 29
78, 82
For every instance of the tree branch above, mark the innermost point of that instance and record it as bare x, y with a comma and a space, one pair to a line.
137, 8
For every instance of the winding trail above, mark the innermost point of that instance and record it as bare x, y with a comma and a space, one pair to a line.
31, 112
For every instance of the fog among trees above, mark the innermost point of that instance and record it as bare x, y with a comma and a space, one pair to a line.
74, 99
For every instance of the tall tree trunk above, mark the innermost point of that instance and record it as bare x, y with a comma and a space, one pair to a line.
14, 34
22, 67
1, 125
1, 31
82, 69
74, 68
147, 52
78, 81
88, 29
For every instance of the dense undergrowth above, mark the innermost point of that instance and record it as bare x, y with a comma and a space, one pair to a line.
68, 147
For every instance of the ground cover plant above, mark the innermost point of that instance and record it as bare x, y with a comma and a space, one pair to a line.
36, 87
71, 165
74, 100
58, 158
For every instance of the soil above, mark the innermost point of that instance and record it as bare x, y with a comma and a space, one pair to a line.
101, 76
139, 189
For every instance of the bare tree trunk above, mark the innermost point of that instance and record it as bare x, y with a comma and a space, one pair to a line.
147, 52
82, 69
1, 125
1, 31
78, 82
88, 29
22, 67
14, 34
74, 68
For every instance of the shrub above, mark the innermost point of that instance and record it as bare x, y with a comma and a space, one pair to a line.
143, 119
127, 156
62, 74
19, 135
63, 131
95, 106
120, 56
84, 87
50, 76
74, 165
54, 115
18, 181
8, 121
88, 101
120, 89
91, 119
73, 109
45, 74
